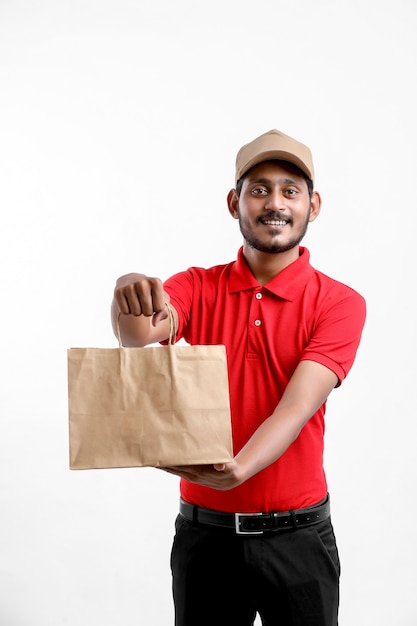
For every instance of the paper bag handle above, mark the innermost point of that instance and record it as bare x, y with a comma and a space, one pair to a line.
172, 329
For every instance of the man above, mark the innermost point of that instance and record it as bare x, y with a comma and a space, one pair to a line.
291, 335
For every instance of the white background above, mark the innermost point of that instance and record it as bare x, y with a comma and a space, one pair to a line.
119, 126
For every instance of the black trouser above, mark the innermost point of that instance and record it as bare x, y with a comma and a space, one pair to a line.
291, 577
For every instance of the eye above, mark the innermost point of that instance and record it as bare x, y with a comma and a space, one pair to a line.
259, 191
291, 191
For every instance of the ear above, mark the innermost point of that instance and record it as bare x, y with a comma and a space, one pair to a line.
233, 203
315, 204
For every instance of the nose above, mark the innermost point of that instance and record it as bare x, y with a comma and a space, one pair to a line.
275, 201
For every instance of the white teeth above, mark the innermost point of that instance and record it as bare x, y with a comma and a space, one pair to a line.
275, 222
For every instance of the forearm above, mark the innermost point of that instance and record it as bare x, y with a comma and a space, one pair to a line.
306, 392
268, 443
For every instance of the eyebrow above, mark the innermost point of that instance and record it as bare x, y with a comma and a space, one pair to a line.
267, 181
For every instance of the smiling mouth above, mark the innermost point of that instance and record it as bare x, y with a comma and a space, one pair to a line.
274, 222
274, 219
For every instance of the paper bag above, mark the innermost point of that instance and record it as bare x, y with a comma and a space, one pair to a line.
154, 406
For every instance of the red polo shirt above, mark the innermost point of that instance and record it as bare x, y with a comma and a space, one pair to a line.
267, 330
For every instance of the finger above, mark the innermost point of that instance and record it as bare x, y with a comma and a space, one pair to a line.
125, 302
171, 470
159, 297
151, 295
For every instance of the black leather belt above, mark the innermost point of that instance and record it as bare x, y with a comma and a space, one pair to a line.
257, 523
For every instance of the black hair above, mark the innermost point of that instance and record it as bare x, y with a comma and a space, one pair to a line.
308, 180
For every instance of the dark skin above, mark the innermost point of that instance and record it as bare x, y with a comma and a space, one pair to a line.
273, 209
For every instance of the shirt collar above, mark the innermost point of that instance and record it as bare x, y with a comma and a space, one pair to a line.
287, 284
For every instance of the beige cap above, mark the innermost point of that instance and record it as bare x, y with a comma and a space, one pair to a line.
274, 145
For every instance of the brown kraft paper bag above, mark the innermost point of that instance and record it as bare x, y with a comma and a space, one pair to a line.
155, 406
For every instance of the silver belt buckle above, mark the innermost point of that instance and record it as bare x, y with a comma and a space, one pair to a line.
238, 523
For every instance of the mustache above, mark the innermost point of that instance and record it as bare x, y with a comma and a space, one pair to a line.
274, 215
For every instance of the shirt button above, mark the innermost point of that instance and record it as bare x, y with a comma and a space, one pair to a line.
258, 295
258, 322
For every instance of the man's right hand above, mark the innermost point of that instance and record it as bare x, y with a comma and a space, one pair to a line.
139, 310
138, 294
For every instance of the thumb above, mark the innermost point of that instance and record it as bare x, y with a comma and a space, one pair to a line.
219, 467
158, 317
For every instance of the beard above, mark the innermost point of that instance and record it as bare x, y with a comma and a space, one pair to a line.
273, 247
